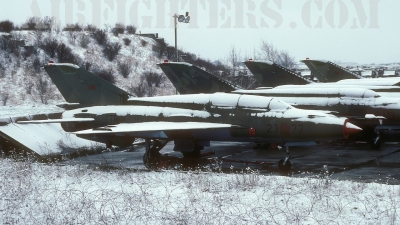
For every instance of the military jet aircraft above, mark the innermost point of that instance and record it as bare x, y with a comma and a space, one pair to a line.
192, 121
345, 99
327, 71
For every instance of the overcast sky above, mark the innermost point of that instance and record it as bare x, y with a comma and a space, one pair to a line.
361, 31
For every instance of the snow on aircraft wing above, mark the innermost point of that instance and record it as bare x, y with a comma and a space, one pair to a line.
153, 129
57, 121
43, 139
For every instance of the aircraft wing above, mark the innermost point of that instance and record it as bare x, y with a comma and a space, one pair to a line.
57, 121
153, 129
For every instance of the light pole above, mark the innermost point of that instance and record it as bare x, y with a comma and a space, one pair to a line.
181, 19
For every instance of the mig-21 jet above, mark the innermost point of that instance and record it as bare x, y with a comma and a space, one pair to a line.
365, 107
192, 121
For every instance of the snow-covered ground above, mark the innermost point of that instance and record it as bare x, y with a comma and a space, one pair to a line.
33, 193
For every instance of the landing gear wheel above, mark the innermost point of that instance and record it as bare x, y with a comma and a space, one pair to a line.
152, 156
284, 167
193, 154
151, 160
375, 144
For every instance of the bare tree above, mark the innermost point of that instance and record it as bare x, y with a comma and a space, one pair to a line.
283, 58
269, 52
286, 60
125, 67
233, 60
4, 98
38, 36
28, 85
43, 88
49, 22
50, 45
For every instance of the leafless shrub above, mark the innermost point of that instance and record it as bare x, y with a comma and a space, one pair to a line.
127, 41
42, 87
72, 36
125, 67
28, 51
2, 73
28, 85
170, 51
36, 64
84, 41
111, 50
130, 29
159, 48
118, 29
48, 22
4, 98
50, 45
65, 55
100, 36
31, 23
10, 46
73, 27
38, 35
151, 91
86, 65
143, 43
106, 74
90, 28
153, 78
139, 90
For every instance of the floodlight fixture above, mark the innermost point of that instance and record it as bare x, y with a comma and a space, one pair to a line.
187, 19
181, 18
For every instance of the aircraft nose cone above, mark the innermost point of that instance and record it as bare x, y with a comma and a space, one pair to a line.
349, 128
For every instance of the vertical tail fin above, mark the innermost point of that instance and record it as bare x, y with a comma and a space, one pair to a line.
189, 79
80, 86
326, 71
270, 74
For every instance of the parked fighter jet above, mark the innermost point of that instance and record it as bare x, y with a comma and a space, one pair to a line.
192, 121
327, 71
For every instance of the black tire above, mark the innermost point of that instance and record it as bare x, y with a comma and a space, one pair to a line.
375, 146
152, 160
192, 154
286, 167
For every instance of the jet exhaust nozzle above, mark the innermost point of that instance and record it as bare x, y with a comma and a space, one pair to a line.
349, 128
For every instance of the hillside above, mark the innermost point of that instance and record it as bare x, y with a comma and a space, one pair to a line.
24, 83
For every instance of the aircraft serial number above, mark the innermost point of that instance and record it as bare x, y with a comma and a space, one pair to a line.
285, 128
